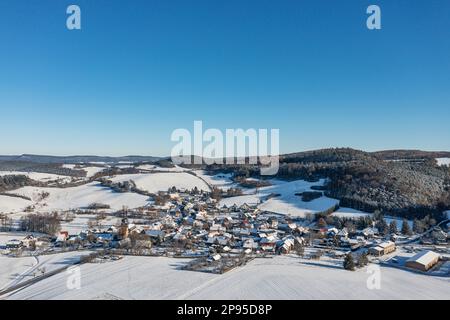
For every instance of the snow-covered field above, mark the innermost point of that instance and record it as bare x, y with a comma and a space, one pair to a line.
349, 213
222, 180
288, 202
355, 214
282, 277
80, 223
13, 204
443, 161
81, 197
162, 181
16, 270
90, 170
153, 167
42, 177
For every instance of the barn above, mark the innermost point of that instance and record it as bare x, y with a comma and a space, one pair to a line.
423, 261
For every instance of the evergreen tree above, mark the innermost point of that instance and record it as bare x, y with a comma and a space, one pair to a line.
393, 227
363, 260
349, 264
418, 226
406, 230
382, 226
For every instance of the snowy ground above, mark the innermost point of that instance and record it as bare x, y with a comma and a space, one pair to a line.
13, 204
443, 161
90, 170
355, 214
162, 181
282, 277
80, 223
42, 177
81, 197
16, 270
288, 202
349, 213
153, 167
222, 180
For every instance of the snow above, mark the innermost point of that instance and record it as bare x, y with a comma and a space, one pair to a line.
90, 171
399, 221
288, 202
162, 169
124, 166
424, 257
147, 167
221, 180
162, 181
12, 268
81, 197
42, 177
443, 161
355, 214
282, 277
17, 270
69, 166
80, 223
13, 204
349, 213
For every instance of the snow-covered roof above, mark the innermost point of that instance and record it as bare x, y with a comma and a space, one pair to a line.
386, 244
424, 257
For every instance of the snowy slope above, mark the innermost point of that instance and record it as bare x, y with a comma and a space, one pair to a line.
222, 180
349, 213
154, 182
443, 161
153, 167
81, 197
90, 170
282, 277
13, 204
17, 270
287, 202
80, 223
42, 177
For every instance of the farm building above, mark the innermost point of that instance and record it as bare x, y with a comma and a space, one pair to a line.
423, 261
14, 244
382, 248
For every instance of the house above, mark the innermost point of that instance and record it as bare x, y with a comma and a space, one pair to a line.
353, 244
369, 233
215, 257
104, 237
250, 244
143, 244
29, 241
14, 244
220, 240
156, 234
423, 261
382, 248
268, 243
286, 245
343, 234
331, 232
62, 236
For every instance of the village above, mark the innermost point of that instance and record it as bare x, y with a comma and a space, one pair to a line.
217, 239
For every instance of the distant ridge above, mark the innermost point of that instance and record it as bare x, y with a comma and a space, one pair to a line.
76, 159
384, 154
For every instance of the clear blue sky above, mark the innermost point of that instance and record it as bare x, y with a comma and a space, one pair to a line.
139, 69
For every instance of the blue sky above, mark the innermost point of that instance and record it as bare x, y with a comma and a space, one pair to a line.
140, 69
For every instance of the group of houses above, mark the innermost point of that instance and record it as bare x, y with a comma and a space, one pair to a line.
193, 223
